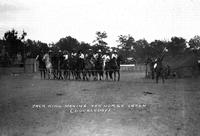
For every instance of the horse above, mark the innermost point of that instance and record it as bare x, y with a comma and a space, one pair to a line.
42, 66
118, 66
72, 67
99, 68
114, 68
55, 63
80, 66
65, 67
107, 69
89, 68
47, 60
159, 68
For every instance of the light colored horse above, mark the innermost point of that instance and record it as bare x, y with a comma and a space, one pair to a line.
48, 63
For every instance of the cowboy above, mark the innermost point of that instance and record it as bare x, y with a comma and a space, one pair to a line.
106, 56
66, 56
60, 63
47, 56
95, 55
114, 54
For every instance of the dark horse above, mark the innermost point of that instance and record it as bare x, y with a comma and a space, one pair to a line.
72, 67
99, 68
89, 68
80, 68
113, 67
161, 70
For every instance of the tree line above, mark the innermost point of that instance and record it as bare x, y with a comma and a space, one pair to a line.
127, 47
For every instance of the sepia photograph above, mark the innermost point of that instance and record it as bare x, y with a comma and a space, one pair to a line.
99, 67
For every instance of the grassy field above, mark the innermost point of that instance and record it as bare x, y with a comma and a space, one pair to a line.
134, 106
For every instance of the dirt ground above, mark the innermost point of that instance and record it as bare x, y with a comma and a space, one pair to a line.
134, 106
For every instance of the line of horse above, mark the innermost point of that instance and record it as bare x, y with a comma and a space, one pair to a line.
76, 67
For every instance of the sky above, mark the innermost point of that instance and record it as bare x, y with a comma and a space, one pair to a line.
50, 20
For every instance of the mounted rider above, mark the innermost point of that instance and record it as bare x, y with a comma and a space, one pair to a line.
114, 54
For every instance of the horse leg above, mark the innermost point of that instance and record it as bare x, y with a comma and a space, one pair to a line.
70, 74
73, 74
77, 75
157, 76
62, 74
87, 75
118, 75
152, 74
95, 75
163, 77
41, 74
102, 75
83, 73
67, 74
44, 73
59, 74
48, 72
99, 76
53, 73
106, 75
110, 74
114, 75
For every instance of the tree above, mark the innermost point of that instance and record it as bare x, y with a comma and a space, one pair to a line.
157, 47
99, 43
14, 43
194, 43
177, 46
84, 47
100, 38
126, 42
127, 46
34, 48
142, 50
68, 43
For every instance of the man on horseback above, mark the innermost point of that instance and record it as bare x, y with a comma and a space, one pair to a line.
42, 65
89, 66
98, 65
72, 64
47, 59
65, 65
159, 67
115, 65
106, 66
80, 65
60, 64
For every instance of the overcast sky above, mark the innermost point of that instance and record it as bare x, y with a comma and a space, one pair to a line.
50, 20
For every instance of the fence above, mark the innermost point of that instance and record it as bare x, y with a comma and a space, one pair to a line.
132, 68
